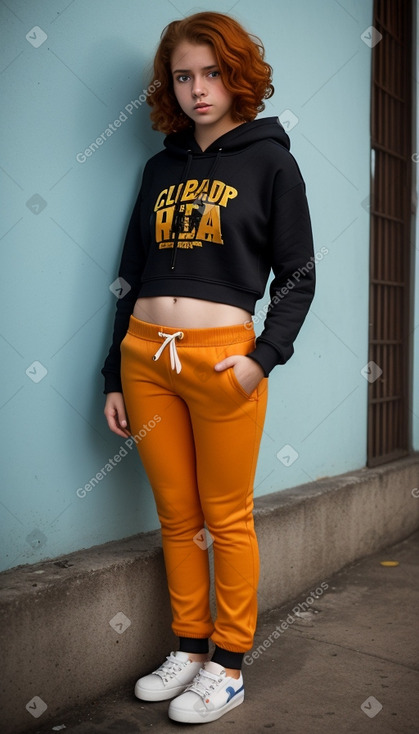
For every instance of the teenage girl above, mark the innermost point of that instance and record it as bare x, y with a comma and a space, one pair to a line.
219, 209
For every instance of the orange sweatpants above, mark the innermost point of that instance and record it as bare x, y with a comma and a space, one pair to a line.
200, 459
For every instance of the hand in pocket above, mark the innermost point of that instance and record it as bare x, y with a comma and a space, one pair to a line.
248, 373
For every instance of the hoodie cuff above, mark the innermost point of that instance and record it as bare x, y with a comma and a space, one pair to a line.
266, 356
112, 383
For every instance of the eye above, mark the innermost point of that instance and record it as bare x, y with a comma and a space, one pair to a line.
182, 78
214, 74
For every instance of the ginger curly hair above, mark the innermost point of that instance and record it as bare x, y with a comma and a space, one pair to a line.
240, 57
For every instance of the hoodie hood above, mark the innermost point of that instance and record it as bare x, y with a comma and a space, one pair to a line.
267, 128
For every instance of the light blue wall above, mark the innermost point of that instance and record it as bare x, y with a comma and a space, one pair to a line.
58, 261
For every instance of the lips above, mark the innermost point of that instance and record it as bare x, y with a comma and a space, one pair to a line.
202, 106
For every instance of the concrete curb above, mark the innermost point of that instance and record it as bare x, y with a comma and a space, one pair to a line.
76, 627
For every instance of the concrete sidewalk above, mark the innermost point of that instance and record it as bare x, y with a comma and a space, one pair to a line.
341, 659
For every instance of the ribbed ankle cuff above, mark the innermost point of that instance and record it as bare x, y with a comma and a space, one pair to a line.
193, 644
227, 659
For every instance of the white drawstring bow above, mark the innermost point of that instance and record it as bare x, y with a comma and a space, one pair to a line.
174, 358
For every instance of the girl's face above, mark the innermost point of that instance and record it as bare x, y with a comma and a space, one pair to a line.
199, 89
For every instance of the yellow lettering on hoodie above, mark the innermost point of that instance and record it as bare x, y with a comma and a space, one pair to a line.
216, 191
190, 189
169, 199
210, 226
203, 189
160, 201
165, 196
198, 220
164, 218
229, 193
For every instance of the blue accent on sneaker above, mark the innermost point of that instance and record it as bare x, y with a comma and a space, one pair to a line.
231, 692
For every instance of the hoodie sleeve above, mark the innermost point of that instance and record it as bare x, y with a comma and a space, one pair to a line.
130, 271
293, 265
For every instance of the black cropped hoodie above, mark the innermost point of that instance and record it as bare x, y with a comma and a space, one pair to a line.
212, 225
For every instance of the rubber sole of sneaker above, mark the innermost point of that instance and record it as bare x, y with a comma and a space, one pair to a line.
164, 695
193, 717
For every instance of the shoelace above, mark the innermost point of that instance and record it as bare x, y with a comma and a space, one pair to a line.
169, 668
174, 358
204, 688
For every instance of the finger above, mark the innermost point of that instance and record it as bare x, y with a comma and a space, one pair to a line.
123, 434
122, 424
118, 432
113, 422
226, 363
116, 428
113, 426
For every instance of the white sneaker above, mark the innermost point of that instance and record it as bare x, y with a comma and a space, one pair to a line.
170, 679
211, 694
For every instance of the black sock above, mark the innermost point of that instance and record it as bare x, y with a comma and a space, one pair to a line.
198, 645
228, 659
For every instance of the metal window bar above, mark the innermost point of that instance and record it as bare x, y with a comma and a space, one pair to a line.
391, 135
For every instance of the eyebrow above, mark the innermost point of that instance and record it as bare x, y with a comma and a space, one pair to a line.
187, 71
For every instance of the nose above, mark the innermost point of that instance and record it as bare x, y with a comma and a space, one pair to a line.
198, 87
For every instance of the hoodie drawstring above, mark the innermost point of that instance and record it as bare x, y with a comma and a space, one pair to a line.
176, 217
174, 357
